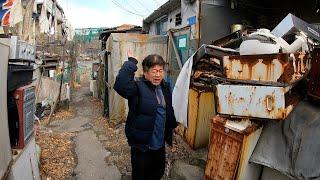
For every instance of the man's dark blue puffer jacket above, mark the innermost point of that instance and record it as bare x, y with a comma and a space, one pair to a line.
142, 103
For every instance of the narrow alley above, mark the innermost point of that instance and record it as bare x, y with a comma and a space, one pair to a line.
98, 148
89, 145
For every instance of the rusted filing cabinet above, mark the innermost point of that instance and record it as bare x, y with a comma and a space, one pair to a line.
231, 145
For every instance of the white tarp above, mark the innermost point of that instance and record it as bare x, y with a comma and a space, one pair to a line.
180, 95
118, 44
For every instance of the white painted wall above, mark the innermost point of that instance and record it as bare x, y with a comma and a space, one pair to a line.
172, 16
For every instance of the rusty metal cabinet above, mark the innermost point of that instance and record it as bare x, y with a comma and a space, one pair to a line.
231, 145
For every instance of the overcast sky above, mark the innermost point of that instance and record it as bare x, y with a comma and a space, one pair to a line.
107, 13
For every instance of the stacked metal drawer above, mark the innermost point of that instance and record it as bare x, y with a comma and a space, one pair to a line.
261, 86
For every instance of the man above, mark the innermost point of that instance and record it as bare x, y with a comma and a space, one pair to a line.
150, 122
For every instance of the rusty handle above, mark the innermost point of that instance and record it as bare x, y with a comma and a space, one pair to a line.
269, 103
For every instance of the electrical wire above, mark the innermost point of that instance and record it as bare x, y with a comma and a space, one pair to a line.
141, 4
157, 2
125, 9
134, 9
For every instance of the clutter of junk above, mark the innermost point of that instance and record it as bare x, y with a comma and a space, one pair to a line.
21, 94
256, 76
18, 99
30, 94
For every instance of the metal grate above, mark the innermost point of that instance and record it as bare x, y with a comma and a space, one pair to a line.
28, 111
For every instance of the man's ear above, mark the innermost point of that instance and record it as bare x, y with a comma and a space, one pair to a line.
144, 73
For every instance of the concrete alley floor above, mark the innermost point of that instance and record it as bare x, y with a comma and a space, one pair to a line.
90, 152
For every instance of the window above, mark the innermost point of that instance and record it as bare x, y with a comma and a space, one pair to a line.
161, 26
178, 19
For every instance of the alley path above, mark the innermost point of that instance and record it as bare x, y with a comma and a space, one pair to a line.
89, 150
100, 148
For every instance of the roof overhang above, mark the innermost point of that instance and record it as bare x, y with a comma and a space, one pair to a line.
163, 10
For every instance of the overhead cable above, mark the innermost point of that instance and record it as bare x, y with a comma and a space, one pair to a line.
125, 9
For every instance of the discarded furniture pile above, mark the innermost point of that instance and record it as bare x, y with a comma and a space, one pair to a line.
256, 77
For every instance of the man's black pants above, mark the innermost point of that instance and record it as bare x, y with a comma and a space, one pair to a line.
149, 165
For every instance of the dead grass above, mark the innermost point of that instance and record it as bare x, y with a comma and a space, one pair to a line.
57, 158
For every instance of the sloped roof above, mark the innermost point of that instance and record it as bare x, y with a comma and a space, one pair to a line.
162, 10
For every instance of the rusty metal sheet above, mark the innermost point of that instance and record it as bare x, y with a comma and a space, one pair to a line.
278, 68
314, 83
254, 101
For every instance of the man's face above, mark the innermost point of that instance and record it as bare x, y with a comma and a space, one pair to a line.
154, 75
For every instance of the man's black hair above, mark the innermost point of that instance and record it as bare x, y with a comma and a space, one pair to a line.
151, 61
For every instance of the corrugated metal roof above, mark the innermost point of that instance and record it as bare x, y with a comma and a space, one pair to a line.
162, 10
120, 29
